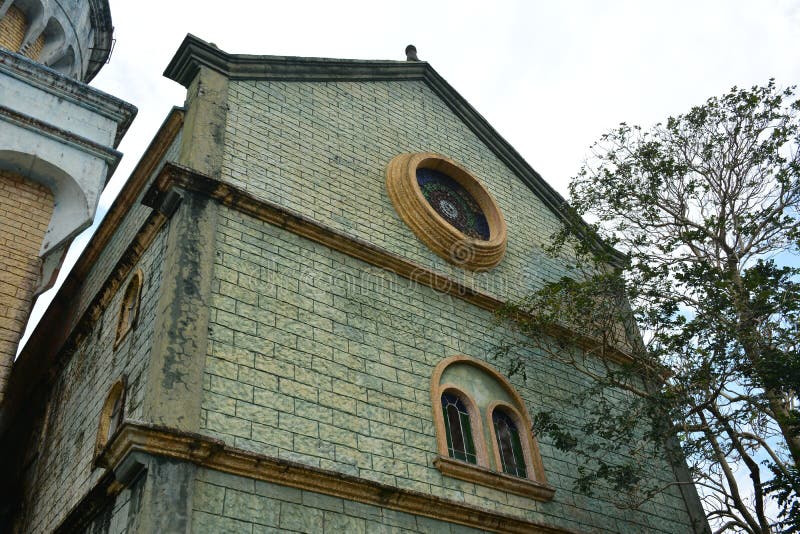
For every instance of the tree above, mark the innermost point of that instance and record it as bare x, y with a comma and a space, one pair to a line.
697, 321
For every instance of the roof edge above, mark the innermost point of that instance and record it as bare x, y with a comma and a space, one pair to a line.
194, 53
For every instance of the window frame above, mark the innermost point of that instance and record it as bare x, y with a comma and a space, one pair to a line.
440, 236
481, 453
530, 449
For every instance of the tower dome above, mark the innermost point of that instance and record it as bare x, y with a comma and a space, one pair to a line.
73, 37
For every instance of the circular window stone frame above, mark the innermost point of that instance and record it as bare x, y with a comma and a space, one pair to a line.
440, 236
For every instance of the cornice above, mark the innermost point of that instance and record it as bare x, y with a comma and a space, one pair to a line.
109, 155
69, 89
135, 436
174, 175
195, 53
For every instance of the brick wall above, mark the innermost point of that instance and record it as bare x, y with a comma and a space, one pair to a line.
322, 149
64, 471
124, 234
25, 210
322, 359
12, 31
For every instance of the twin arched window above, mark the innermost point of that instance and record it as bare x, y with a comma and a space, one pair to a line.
483, 429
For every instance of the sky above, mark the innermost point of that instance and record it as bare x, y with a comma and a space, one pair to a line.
550, 76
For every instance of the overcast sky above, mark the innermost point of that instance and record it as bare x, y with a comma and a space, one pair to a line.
549, 76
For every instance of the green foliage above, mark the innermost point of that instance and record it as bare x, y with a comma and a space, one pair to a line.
695, 321
785, 484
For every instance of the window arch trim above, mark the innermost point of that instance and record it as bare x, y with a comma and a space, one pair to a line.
535, 485
127, 320
530, 449
116, 394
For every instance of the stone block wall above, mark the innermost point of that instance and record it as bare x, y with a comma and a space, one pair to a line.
319, 358
66, 449
124, 234
236, 505
321, 149
25, 210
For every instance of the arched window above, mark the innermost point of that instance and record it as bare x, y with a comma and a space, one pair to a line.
458, 429
509, 444
111, 416
129, 308
466, 394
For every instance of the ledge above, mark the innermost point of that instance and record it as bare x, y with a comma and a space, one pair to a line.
109, 155
174, 175
135, 436
491, 479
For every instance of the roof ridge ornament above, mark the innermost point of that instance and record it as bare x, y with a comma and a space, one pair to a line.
411, 53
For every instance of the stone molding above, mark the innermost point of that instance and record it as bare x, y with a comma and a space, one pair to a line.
194, 53
492, 479
431, 228
97, 150
135, 436
174, 175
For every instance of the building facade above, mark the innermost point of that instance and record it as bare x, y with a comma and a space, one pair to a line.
285, 322
58, 140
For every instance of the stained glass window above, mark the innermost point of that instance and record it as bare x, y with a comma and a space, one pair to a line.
509, 444
460, 444
453, 203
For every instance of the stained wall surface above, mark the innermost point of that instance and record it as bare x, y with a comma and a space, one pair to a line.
315, 357
64, 468
320, 358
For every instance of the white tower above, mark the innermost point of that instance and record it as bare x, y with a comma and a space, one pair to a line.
58, 140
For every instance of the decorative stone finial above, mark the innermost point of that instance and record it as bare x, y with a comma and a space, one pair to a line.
411, 53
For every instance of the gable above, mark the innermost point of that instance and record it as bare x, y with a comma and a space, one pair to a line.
315, 136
